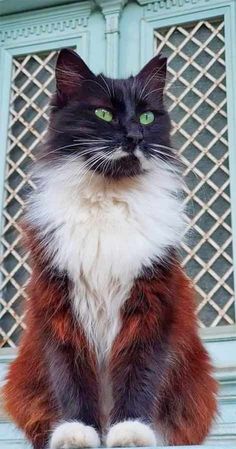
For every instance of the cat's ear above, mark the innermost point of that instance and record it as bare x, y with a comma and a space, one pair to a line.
70, 71
154, 72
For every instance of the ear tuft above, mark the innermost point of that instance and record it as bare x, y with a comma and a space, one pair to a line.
70, 71
156, 67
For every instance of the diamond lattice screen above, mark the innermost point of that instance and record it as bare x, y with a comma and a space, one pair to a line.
196, 99
32, 84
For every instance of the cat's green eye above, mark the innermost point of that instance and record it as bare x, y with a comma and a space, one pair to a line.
146, 118
104, 114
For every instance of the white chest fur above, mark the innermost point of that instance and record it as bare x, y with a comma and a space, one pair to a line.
103, 235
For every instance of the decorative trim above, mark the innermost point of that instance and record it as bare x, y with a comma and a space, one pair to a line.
15, 7
112, 23
169, 4
58, 20
40, 29
111, 6
219, 333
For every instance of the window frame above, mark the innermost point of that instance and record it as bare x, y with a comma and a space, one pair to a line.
167, 17
29, 33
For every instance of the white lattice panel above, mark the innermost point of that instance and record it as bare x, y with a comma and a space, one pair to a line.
196, 97
32, 84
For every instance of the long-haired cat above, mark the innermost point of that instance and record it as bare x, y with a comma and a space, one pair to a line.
111, 353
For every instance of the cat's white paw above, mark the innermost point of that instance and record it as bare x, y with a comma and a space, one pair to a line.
130, 433
74, 435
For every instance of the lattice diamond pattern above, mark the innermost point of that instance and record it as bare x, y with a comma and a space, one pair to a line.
196, 97
32, 84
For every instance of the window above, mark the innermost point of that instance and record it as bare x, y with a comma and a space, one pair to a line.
32, 83
196, 99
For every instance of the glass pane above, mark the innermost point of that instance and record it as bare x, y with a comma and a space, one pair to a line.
196, 99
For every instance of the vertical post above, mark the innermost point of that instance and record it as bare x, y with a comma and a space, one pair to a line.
230, 34
5, 84
112, 10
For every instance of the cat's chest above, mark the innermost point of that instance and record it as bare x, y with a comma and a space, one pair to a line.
103, 242
103, 246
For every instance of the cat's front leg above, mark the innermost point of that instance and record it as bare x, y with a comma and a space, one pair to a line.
134, 391
75, 388
136, 360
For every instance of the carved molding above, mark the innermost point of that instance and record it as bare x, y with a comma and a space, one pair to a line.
111, 6
111, 10
40, 29
58, 20
160, 5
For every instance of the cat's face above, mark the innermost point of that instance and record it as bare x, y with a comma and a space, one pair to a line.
118, 128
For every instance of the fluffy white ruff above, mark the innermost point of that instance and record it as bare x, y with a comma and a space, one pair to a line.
73, 435
102, 233
130, 433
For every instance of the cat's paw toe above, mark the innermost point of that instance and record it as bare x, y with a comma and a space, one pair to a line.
130, 433
73, 435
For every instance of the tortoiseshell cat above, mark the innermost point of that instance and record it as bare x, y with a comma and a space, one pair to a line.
111, 352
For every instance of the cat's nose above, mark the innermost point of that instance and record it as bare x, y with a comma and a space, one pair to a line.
133, 137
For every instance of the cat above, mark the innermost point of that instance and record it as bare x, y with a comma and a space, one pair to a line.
111, 353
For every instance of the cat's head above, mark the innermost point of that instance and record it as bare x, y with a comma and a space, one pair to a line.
115, 127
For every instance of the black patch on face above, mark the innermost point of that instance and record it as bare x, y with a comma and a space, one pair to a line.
76, 131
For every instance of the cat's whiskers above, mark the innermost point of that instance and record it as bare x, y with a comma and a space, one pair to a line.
55, 151
108, 89
179, 164
66, 146
77, 157
106, 165
97, 139
170, 165
95, 159
98, 142
55, 129
159, 89
92, 150
166, 147
161, 153
96, 82
104, 161
171, 168
117, 153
